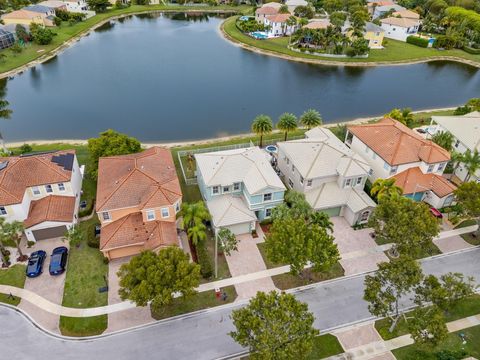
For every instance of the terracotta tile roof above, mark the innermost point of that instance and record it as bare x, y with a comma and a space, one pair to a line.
279, 18
267, 10
321, 24
410, 178
147, 179
131, 230
397, 144
21, 14
51, 208
22, 172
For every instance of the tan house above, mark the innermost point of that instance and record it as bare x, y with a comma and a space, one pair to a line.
26, 17
138, 197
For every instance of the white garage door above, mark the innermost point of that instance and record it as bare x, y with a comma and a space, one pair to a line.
239, 229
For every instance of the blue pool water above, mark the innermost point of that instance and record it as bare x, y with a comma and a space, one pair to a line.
259, 35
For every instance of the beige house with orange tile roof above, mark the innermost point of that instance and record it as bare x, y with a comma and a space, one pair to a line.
271, 8
41, 190
138, 197
25, 17
394, 150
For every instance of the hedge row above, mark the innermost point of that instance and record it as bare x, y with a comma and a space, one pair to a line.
471, 50
418, 41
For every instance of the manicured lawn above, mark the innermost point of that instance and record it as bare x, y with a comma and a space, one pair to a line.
394, 50
14, 276
86, 273
325, 346
223, 270
464, 308
65, 32
428, 251
289, 281
453, 343
198, 301
471, 238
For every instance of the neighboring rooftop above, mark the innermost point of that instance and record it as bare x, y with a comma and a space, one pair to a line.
371, 27
388, 7
465, 128
267, 10
397, 144
401, 22
54, 4
330, 195
17, 173
413, 180
229, 210
407, 14
250, 166
147, 180
51, 208
318, 24
20, 14
279, 18
38, 8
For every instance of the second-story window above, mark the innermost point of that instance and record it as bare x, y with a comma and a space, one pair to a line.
301, 179
236, 186
61, 187
36, 190
48, 188
165, 213
309, 182
348, 182
3, 211
106, 216
441, 166
226, 189
430, 168
393, 170
359, 180
215, 190
267, 197
150, 215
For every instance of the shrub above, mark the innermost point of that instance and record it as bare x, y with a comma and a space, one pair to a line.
106, 261
41, 35
447, 42
25, 148
206, 269
16, 48
30, 244
471, 50
93, 241
418, 41
57, 21
462, 110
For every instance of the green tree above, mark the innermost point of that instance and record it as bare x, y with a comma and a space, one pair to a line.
297, 205
471, 161
14, 230
197, 233
274, 327
295, 242
151, 277
193, 217
385, 288
228, 241
98, 5
456, 158
385, 188
110, 143
337, 19
406, 223
321, 219
283, 10
405, 116
287, 122
41, 35
74, 235
474, 104
262, 125
443, 139
304, 12
332, 5
3, 251
311, 118
22, 33
25, 149
468, 197
427, 326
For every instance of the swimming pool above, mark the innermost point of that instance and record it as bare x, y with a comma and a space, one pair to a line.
259, 35
271, 149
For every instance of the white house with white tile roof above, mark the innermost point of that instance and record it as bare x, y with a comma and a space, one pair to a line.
331, 176
239, 186
466, 132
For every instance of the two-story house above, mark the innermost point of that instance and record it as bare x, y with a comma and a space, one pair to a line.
239, 186
466, 132
42, 191
331, 176
394, 150
271, 8
138, 197
278, 25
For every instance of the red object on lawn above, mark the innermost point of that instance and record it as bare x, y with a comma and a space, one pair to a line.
436, 213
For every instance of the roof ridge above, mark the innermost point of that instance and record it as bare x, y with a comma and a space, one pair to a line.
315, 159
123, 220
54, 168
115, 190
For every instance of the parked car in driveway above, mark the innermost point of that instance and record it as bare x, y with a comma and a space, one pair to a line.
58, 260
35, 263
435, 212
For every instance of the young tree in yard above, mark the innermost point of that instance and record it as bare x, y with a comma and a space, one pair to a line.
262, 125
456, 158
151, 277
98, 5
406, 223
427, 326
443, 139
382, 188
275, 327
287, 122
110, 143
14, 230
283, 10
228, 241
468, 197
3, 251
74, 235
321, 219
472, 163
296, 205
384, 289
193, 217
311, 118
41, 35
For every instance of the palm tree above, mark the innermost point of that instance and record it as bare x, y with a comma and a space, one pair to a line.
321, 219
197, 233
194, 214
405, 116
385, 188
262, 125
472, 163
457, 158
14, 230
443, 139
5, 261
291, 22
287, 122
311, 118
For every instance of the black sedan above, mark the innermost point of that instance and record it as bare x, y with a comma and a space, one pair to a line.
58, 260
35, 263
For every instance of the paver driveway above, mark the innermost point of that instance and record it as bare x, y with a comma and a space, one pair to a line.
50, 287
358, 250
126, 318
451, 244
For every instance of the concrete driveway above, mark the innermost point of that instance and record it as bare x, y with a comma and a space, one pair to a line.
451, 244
50, 287
128, 318
359, 252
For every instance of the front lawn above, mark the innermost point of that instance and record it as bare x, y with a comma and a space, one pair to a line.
86, 273
464, 308
471, 238
223, 270
199, 301
13, 276
430, 250
325, 346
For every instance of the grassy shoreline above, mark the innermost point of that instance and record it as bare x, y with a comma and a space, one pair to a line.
395, 52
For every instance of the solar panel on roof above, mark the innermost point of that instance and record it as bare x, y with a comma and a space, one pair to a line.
64, 160
3, 165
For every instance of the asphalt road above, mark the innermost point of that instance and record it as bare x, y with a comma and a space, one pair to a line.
202, 335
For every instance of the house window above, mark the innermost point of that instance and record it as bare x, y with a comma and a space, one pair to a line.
370, 172
359, 180
288, 161
290, 183
165, 213
457, 143
293, 169
301, 179
348, 182
430, 168
3, 211
267, 197
48, 188
441, 166
268, 213
150, 215
236, 186
309, 182
226, 189
36, 190
393, 170
177, 206
364, 216
106, 216
61, 187
215, 190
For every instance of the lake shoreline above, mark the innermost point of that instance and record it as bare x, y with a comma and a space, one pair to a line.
186, 143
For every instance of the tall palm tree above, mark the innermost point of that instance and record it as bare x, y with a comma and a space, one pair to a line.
472, 163
321, 219
262, 125
311, 118
194, 214
405, 116
385, 188
443, 139
457, 158
287, 122
197, 233
14, 230
291, 22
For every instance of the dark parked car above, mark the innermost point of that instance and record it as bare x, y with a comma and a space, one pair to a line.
421, 131
35, 263
98, 230
58, 260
